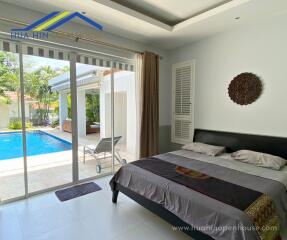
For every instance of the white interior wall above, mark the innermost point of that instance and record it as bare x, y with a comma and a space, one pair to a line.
260, 49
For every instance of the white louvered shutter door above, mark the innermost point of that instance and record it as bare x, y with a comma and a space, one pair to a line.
183, 104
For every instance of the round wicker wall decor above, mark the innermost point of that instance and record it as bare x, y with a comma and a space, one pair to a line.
245, 88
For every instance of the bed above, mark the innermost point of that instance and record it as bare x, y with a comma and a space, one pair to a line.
210, 217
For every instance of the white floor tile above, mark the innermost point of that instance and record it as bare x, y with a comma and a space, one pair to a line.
106, 219
89, 217
35, 223
9, 224
74, 231
141, 232
144, 231
36, 203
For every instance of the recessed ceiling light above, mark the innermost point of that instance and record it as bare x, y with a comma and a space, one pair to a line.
236, 18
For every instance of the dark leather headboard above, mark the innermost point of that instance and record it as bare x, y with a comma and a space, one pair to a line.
237, 141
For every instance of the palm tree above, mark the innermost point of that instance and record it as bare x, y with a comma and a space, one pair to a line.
37, 87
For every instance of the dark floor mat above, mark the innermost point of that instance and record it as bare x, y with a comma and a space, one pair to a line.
77, 191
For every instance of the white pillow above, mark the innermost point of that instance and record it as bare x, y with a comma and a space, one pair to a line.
207, 149
259, 159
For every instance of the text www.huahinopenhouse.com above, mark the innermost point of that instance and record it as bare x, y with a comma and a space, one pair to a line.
224, 228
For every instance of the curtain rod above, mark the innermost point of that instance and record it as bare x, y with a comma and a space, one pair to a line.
77, 38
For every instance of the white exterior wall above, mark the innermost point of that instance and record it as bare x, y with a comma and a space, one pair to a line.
4, 117
81, 101
13, 110
8, 111
63, 109
125, 108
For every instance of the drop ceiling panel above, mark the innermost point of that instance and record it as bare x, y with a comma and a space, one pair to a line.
171, 12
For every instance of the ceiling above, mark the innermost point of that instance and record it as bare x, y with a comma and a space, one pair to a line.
170, 11
165, 23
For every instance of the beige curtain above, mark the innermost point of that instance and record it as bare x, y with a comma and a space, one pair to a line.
149, 131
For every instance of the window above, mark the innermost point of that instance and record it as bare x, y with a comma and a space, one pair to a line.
182, 102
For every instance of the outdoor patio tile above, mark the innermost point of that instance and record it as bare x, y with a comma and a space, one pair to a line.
9, 193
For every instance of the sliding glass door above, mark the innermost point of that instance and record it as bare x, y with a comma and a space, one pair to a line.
94, 128
79, 115
12, 184
48, 122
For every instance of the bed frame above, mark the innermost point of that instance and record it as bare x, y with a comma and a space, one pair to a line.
233, 142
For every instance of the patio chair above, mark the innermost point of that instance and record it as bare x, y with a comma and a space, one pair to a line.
104, 146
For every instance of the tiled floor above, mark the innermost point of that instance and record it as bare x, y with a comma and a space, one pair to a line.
91, 217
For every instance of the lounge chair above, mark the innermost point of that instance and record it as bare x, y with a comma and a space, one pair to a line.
104, 146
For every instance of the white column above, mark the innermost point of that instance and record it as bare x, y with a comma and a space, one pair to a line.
81, 113
63, 109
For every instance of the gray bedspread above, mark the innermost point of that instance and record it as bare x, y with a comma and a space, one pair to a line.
210, 216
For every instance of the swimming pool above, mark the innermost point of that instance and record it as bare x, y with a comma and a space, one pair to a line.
38, 142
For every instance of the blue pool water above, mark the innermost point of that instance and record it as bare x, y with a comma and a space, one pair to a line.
38, 142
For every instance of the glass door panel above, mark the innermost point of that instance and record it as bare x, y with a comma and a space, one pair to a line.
94, 105
12, 183
48, 122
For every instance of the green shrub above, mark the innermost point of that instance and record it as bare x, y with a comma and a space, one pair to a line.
29, 124
17, 124
93, 108
55, 123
